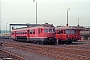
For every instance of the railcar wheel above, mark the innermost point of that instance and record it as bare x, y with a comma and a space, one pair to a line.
41, 42
69, 42
38, 42
34, 42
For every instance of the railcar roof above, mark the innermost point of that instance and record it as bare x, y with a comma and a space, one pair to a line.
28, 28
70, 27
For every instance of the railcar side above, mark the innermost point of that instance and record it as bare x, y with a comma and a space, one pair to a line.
39, 35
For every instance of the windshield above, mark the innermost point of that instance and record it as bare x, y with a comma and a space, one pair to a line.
49, 30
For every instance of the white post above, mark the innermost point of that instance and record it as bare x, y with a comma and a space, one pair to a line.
36, 9
57, 41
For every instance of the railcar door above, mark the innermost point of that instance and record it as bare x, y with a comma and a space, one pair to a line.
38, 32
15, 35
28, 35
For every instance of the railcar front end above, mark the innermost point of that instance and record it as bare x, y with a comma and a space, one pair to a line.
67, 35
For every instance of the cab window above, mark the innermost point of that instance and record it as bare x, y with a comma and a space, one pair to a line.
58, 32
67, 31
45, 30
50, 30
73, 31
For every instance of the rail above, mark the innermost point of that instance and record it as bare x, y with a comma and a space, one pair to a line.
58, 53
13, 55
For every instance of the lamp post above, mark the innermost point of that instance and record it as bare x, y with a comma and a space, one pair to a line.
36, 10
67, 16
0, 26
78, 22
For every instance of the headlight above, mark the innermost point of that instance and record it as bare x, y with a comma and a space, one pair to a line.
76, 36
68, 36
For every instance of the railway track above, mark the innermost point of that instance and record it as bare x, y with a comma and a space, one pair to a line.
85, 46
6, 55
78, 47
58, 53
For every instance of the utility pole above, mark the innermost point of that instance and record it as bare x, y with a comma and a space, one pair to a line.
0, 16
78, 22
67, 16
36, 10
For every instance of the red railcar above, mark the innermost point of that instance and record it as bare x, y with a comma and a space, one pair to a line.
43, 34
67, 34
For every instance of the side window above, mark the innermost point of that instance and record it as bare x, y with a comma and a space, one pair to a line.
12, 33
45, 30
33, 31
21, 32
58, 32
67, 31
61, 31
41, 30
54, 30
30, 31
38, 31
50, 30
25, 32
71, 31
16, 32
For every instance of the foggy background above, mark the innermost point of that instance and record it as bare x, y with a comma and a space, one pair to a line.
51, 11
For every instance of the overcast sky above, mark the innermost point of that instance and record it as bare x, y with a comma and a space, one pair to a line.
51, 11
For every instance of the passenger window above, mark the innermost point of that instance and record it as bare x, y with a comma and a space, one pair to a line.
58, 32
45, 30
38, 31
12, 33
21, 32
61, 31
50, 30
25, 32
67, 31
33, 31
53, 30
41, 30
30, 31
